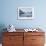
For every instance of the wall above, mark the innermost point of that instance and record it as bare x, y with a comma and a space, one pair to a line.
8, 13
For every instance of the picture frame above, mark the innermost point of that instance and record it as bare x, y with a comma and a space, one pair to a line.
25, 13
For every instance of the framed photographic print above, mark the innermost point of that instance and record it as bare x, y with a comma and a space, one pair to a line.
25, 13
